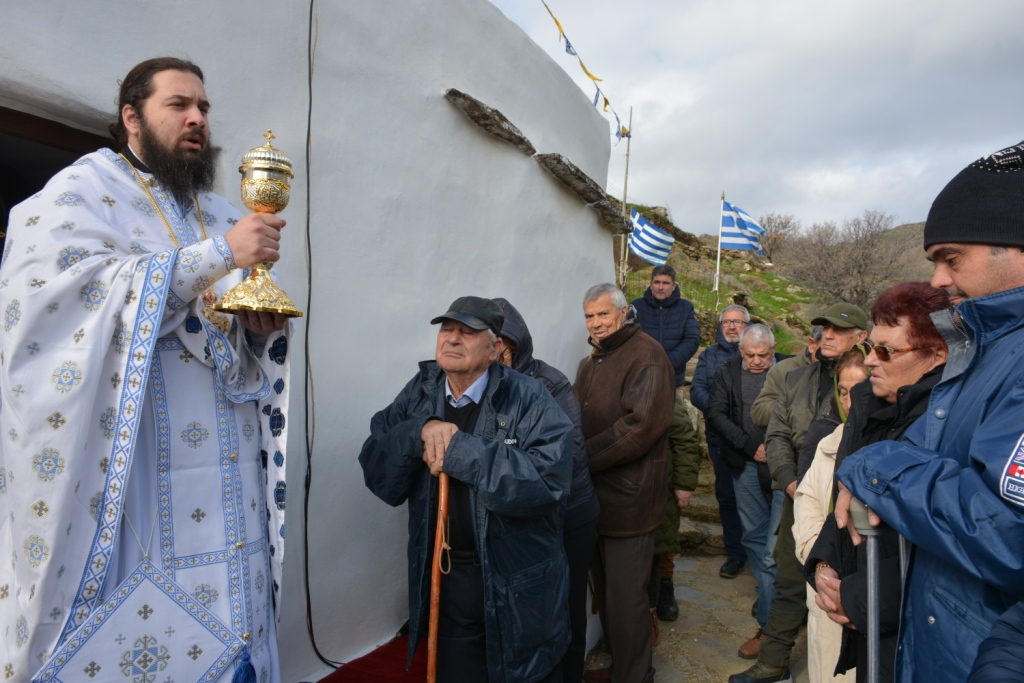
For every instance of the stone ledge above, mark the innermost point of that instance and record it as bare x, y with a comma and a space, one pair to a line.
610, 215
700, 538
490, 120
572, 177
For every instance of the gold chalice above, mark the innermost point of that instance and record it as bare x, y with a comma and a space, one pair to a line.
266, 188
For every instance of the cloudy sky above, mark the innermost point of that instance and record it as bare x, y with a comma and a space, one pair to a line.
819, 109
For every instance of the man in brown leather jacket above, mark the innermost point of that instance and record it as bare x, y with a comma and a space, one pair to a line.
627, 395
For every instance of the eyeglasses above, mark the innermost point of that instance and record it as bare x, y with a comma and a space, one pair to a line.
885, 354
734, 323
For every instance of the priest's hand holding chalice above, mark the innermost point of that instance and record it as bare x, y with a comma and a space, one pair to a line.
259, 303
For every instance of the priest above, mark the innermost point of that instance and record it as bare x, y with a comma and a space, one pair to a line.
141, 460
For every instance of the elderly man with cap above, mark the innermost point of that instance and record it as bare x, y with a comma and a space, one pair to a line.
954, 487
803, 397
507, 449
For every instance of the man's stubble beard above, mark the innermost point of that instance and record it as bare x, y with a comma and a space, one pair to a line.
180, 172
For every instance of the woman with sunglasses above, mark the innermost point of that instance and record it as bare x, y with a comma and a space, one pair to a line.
906, 363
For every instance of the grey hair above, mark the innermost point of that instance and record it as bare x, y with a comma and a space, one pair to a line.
735, 307
757, 334
597, 291
816, 333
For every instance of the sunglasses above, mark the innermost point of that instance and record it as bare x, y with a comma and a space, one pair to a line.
885, 354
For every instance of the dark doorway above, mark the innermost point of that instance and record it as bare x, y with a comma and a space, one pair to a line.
32, 149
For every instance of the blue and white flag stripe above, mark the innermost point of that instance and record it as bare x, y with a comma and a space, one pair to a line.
648, 242
739, 230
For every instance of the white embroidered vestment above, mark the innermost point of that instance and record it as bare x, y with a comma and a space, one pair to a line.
141, 447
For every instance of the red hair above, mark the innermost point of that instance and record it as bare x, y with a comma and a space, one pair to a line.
912, 302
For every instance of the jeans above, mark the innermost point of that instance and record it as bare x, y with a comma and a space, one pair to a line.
760, 521
732, 529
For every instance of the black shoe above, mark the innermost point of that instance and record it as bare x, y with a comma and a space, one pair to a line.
731, 569
761, 673
753, 610
668, 608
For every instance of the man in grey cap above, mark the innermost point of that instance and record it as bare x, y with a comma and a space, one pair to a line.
803, 397
507, 449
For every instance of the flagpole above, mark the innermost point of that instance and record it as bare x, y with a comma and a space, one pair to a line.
718, 260
625, 207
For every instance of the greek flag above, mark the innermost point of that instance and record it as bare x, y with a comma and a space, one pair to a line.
648, 242
739, 230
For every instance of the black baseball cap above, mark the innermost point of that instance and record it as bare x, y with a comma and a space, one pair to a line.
474, 312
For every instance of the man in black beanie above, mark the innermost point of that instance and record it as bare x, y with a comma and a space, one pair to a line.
954, 487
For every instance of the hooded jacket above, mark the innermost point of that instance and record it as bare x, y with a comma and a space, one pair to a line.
557, 384
953, 488
627, 399
517, 463
673, 324
704, 375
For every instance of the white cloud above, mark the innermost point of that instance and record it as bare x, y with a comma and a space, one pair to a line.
821, 109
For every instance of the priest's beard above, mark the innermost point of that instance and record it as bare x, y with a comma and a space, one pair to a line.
181, 172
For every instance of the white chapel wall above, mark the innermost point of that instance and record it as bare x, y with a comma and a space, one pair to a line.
411, 206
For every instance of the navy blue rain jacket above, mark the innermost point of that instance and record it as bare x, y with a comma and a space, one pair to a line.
955, 489
558, 385
517, 463
704, 375
673, 324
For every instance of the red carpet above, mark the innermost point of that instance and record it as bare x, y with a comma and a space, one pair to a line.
386, 664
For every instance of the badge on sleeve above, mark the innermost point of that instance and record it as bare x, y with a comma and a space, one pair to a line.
1011, 485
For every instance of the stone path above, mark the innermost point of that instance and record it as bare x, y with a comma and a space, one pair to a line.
714, 619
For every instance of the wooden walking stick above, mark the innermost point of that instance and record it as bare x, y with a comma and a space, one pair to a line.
440, 545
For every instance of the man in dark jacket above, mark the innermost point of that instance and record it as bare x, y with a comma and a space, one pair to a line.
507, 449
626, 395
670, 319
737, 383
953, 487
580, 529
733, 320
803, 397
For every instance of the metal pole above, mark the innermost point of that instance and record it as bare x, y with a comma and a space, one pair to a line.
718, 262
859, 513
625, 208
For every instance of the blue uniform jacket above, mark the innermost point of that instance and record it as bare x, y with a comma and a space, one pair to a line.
518, 465
955, 489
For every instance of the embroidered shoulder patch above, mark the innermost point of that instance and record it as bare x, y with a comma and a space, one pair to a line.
1011, 484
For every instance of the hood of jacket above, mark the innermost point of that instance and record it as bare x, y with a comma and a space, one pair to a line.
515, 330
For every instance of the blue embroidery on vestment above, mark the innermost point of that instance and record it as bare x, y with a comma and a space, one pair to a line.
69, 256
69, 199
12, 315
150, 313
278, 350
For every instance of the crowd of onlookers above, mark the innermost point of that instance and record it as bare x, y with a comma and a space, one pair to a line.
912, 408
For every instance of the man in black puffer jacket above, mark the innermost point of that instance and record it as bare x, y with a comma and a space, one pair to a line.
670, 319
580, 533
